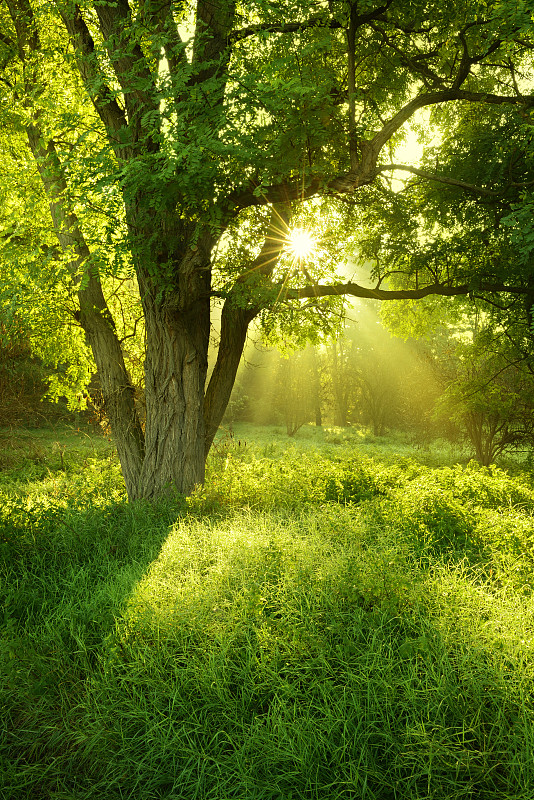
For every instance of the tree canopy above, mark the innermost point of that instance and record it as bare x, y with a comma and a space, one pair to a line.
155, 155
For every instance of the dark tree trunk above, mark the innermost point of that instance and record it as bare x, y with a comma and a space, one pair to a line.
175, 373
234, 326
176, 361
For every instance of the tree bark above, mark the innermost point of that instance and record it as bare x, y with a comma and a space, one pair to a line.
94, 317
176, 362
175, 373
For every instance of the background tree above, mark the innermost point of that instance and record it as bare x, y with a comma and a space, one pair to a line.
177, 142
22, 378
378, 396
295, 390
490, 395
339, 359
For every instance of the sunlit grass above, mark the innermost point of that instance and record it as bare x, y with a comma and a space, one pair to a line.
321, 622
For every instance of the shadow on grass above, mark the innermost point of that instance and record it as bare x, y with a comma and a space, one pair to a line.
259, 656
66, 574
274, 656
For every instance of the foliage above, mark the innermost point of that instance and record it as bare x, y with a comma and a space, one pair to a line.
156, 155
489, 394
434, 231
24, 381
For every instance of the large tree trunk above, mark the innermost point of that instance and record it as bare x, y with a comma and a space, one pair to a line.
176, 362
175, 373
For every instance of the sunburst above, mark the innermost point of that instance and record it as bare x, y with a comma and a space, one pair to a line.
300, 244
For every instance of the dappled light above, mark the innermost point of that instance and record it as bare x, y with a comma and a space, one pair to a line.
246, 160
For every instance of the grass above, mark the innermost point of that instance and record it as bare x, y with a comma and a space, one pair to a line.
334, 619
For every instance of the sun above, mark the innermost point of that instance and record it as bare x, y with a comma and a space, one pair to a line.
300, 243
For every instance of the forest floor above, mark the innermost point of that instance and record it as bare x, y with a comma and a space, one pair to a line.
331, 617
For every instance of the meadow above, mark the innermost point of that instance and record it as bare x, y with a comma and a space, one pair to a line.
330, 617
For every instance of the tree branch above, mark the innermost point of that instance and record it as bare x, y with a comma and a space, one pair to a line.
235, 320
439, 289
157, 15
434, 98
317, 21
467, 61
129, 64
105, 104
5, 40
281, 27
469, 187
367, 169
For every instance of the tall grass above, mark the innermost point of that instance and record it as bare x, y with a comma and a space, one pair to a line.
326, 621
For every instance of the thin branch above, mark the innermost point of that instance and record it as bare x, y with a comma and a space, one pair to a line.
102, 97
317, 21
134, 333
493, 303
7, 41
496, 375
430, 78
470, 187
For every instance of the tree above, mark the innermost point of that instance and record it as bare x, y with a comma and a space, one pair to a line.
176, 144
22, 383
296, 390
378, 399
337, 358
490, 394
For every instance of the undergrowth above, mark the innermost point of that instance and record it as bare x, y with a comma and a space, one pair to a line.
321, 622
